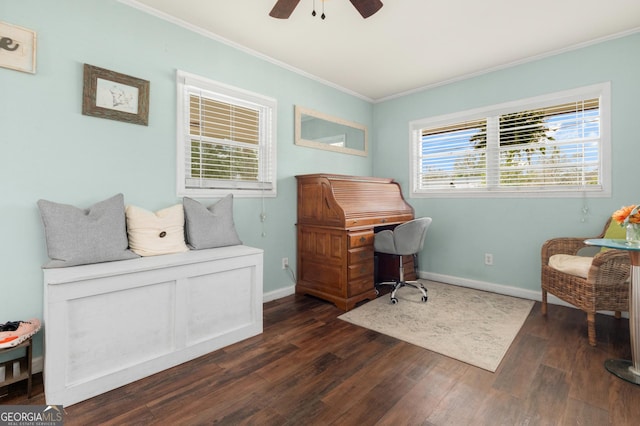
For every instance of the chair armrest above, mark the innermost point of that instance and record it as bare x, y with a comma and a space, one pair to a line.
610, 267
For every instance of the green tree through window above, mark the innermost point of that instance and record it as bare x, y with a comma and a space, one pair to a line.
556, 146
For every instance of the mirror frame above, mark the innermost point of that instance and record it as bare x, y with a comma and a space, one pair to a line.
300, 111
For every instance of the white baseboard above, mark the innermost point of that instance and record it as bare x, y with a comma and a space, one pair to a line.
462, 282
449, 279
278, 294
486, 286
500, 289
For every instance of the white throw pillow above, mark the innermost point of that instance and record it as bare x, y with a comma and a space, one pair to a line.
151, 234
569, 264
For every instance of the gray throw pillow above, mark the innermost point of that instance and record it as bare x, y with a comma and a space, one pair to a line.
77, 237
209, 227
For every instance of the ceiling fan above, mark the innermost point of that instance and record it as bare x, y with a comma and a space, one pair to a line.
283, 8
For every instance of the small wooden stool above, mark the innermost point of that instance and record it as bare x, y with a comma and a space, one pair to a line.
25, 366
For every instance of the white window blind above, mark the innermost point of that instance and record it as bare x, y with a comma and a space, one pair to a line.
226, 141
555, 144
447, 158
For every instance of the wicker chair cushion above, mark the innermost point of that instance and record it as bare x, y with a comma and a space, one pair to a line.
573, 265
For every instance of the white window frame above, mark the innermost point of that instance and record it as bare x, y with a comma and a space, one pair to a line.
490, 113
266, 186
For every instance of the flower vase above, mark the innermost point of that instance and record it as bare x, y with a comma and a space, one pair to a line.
633, 233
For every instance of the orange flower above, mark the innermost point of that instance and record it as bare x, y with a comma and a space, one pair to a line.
622, 216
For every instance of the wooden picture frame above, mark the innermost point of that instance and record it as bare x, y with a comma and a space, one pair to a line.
17, 48
109, 94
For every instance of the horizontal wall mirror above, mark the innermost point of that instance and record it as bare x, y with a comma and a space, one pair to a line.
317, 130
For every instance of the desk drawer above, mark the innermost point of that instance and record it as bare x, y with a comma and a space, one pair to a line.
360, 286
360, 239
359, 270
360, 255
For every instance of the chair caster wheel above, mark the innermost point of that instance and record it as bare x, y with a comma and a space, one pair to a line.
377, 292
394, 301
424, 298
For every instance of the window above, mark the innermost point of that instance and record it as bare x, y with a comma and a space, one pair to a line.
554, 145
226, 140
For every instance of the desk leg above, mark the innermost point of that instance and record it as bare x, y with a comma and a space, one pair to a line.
630, 370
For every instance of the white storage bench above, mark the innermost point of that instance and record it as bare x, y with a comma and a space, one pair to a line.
110, 324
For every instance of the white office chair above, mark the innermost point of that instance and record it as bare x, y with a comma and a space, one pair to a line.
405, 239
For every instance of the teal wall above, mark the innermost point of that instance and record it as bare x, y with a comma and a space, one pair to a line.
50, 150
513, 229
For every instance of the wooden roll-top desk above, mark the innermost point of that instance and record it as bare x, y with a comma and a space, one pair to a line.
337, 218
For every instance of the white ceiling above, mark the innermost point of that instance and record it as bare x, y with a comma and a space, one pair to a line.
408, 44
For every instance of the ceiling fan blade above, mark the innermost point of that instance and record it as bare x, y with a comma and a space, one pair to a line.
366, 7
283, 8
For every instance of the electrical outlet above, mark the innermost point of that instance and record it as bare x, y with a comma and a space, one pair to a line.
285, 262
488, 259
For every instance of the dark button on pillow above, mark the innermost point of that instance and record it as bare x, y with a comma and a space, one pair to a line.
163, 234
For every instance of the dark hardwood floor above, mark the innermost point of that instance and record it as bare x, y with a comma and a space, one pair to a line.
310, 368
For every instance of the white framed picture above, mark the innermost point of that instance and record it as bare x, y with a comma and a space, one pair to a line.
17, 48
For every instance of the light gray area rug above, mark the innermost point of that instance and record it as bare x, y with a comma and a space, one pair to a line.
472, 326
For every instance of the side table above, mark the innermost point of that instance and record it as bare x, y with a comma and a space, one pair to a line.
25, 366
628, 370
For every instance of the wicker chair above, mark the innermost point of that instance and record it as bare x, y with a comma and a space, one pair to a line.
606, 287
